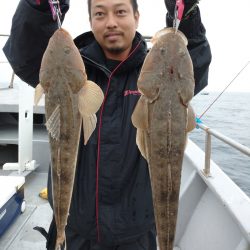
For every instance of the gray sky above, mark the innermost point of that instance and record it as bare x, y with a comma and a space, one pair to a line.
227, 26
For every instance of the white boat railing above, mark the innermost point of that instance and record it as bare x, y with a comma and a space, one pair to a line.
211, 132
25, 127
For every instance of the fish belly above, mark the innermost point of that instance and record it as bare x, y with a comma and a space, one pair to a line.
167, 141
63, 158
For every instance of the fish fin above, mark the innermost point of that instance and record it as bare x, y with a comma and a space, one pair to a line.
52, 184
140, 114
61, 242
53, 124
191, 123
89, 125
38, 93
141, 142
90, 98
59, 247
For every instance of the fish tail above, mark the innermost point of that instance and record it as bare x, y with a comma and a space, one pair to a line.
60, 244
59, 247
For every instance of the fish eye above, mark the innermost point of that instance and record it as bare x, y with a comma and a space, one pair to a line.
162, 50
67, 50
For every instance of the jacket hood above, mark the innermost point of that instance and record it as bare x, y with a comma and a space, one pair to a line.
93, 53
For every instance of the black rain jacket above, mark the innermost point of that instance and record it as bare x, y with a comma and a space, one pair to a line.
112, 196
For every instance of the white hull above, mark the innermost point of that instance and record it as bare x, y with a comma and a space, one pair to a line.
214, 213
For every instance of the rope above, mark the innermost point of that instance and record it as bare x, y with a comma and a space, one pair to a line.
223, 90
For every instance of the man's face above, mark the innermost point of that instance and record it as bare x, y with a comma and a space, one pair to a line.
114, 24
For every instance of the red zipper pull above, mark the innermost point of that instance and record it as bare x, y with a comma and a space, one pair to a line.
180, 8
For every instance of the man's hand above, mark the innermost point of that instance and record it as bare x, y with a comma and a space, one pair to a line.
189, 6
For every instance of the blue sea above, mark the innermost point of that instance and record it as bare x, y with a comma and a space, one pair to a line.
229, 115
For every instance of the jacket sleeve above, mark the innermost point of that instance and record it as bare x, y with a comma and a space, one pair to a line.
198, 47
30, 32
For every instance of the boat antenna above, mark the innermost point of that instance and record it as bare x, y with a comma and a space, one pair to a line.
224, 90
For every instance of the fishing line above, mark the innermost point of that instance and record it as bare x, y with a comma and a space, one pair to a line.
224, 90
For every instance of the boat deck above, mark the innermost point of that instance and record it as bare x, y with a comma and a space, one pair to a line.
21, 235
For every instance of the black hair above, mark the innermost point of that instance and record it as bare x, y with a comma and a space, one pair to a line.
133, 2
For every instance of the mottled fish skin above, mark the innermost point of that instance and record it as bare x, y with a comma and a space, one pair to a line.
62, 76
167, 85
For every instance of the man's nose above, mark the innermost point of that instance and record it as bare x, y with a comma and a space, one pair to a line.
111, 21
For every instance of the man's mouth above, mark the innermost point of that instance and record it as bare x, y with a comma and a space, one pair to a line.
112, 36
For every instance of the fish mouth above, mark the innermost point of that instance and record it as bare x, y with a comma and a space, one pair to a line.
62, 34
63, 31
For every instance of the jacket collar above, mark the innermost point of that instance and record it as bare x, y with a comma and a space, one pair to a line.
93, 53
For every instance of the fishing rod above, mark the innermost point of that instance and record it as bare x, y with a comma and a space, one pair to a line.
223, 90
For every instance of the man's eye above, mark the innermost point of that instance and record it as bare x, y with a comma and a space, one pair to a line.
121, 12
99, 14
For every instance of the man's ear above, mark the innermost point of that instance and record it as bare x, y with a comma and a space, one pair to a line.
137, 17
90, 21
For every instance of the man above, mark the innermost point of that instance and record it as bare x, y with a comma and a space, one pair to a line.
111, 205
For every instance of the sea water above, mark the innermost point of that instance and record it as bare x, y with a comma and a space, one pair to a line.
229, 115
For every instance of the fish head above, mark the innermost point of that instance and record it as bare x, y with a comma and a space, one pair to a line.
62, 58
161, 58
164, 33
172, 45
155, 63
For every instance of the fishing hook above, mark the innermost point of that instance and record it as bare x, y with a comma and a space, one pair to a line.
56, 11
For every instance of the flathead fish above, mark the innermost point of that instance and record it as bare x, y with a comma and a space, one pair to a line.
166, 83
70, 101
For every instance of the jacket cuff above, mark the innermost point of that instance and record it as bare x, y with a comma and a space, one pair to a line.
191, 26
30, 31
44, 5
